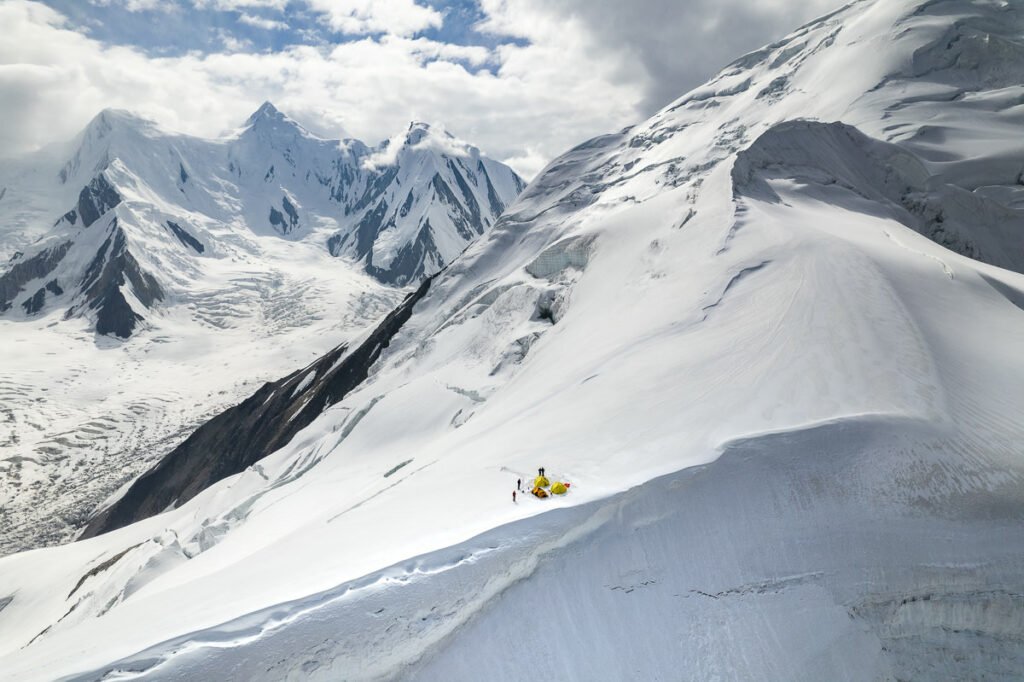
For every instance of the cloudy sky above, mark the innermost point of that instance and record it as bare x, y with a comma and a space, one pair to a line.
522, 79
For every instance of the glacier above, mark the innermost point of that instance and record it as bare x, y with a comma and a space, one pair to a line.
153, 279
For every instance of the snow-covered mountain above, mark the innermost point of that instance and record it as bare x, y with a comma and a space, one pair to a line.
401, 210
771, 336
134, 257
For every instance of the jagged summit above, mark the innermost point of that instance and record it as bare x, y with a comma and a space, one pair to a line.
265, 110
417, 132
397, 221
269, 122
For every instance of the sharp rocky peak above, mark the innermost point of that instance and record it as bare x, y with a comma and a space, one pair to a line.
416, 133
270, 118
266, 112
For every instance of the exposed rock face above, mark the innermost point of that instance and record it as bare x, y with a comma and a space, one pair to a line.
185, 238
95, 199
412, 259
35, 304
421, 210
285, 222
112, 268
21, 273
244, 434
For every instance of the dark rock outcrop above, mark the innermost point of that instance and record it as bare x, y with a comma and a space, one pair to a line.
185, 238
35, 303
40, 265
414, 257
95, 199
284, 222
248, 432
111, 268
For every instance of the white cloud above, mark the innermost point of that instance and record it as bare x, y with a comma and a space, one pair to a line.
386, 155
573, 80
261, 22
359, 17
232, 43
671, 46
138, 5
229, 5
439, 140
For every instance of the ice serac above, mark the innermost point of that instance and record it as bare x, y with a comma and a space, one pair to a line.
835, 162
786, 394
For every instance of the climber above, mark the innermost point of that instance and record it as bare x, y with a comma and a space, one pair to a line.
541, 471
519, 484
513, 496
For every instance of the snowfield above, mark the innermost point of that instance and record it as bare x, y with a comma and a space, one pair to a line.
771, 336
189, 271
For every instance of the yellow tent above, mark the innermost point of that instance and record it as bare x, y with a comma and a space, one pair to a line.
539, 492
558, 488
541, 482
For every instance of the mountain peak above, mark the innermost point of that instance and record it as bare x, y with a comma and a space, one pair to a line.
418, 130
109, 119
269, 120
267, 111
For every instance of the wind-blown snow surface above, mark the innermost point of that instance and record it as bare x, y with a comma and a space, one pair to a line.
789, 412
155, 279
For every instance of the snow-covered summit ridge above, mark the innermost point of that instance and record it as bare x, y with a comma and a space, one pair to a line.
268, 112
399, 218
759, 270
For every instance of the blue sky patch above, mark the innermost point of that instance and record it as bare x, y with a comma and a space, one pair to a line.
185, 28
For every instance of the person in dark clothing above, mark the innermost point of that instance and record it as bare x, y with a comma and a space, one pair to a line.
519, 484
541, 470
513, 495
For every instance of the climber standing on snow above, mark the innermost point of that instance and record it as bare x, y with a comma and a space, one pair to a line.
513, 496
519, 484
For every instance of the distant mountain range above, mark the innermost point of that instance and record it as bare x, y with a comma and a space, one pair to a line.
149, 279
148, 207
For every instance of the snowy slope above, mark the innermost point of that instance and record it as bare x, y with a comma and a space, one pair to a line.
139, 257
770, 335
